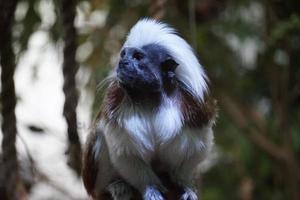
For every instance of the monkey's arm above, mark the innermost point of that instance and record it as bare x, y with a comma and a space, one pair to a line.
97, 170
131, 164
140, 175
89, 168
196, 141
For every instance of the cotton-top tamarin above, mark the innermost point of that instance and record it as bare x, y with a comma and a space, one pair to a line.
156, 118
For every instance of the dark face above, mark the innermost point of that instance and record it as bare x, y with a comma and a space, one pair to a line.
146, 71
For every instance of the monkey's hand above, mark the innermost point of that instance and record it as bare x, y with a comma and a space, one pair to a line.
152, 193
189, 194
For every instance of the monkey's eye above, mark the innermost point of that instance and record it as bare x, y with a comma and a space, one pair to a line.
138, 55
169, 65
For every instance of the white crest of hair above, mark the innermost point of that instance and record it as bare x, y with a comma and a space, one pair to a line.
189, 70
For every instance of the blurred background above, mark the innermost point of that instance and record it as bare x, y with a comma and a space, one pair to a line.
249, 48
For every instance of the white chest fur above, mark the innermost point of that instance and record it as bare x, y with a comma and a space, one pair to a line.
152, 129
145, 133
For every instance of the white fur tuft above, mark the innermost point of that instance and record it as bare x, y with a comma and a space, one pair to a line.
189, 71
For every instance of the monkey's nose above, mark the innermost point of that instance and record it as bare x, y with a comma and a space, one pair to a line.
123, 63
126, 66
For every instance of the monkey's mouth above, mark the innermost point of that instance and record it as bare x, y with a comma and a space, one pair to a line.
126, 76
132, 79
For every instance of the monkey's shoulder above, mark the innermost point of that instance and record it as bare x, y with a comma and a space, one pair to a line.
112, 100
197, 113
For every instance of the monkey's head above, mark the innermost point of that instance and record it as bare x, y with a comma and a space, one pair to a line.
155, 62
147, 70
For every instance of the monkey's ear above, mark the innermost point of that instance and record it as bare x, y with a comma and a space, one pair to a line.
169, 65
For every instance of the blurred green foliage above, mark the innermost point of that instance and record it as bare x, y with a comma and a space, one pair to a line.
251, 51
